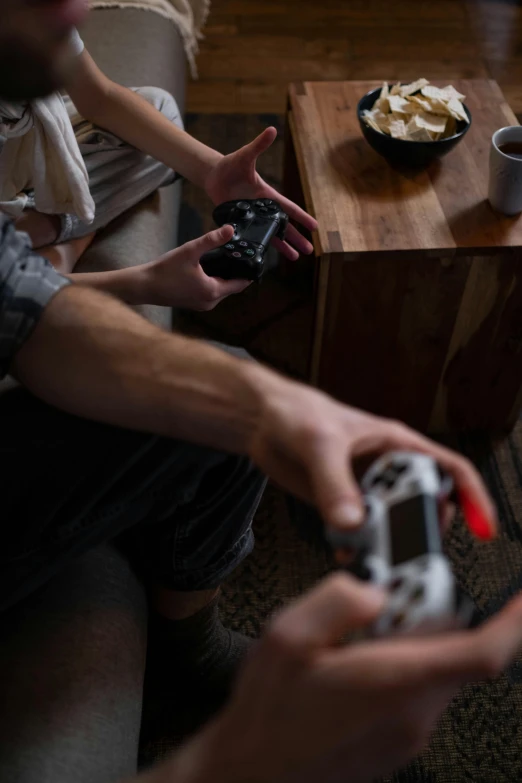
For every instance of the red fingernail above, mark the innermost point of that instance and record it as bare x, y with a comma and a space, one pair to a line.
476, 520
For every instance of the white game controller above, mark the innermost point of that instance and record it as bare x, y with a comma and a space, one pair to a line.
399, 546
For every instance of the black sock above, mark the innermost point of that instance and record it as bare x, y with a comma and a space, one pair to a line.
198, 653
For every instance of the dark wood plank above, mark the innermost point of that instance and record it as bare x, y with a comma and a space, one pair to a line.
482, 378
387, 331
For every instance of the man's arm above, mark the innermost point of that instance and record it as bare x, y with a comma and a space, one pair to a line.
129, 116
92, 356
89, 354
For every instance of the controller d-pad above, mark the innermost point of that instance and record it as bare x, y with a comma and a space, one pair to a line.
390, 475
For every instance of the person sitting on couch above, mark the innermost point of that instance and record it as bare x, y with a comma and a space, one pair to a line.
126, 431
69, 166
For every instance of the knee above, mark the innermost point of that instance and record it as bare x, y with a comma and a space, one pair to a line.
164, 102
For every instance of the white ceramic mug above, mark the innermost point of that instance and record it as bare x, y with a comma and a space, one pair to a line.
505, 173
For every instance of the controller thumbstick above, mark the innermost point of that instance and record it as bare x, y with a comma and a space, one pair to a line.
243, 206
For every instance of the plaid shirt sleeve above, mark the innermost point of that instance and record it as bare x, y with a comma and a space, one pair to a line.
28, 282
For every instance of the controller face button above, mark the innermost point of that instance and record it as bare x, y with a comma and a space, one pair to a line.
243, 244
250, 252
230, 247
236, 254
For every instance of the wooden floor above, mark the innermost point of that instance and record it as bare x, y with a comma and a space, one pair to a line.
253, 48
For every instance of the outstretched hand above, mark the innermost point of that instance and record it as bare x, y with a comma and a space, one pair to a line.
235, 176
178, 280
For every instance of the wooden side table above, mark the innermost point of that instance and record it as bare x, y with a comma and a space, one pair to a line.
418, 293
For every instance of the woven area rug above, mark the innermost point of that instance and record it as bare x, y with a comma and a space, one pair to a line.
479, 739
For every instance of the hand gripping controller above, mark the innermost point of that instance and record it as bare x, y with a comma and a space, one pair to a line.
255, 223
399, 546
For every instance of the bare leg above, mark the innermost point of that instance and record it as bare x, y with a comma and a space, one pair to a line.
64, 257
42, 229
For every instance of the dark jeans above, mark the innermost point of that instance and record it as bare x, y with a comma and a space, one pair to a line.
68, 484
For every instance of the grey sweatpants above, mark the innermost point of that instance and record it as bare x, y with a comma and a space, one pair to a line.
120, 176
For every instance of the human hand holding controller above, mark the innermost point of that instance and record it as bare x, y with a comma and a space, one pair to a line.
310, 710
255, 222
399, 546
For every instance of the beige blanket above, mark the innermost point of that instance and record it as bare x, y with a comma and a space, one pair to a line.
188, 15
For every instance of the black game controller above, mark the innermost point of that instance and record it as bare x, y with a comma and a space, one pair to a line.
255, 223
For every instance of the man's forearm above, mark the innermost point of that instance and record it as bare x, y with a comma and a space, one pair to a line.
94, 357
131, 118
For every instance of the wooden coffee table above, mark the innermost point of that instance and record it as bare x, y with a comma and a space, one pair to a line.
418, 291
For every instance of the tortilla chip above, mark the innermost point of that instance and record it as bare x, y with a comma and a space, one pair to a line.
451, 128
422, 104
421, 134
412, 107
369, 120
450, 92
382, 120
409, 89
396, 89
398, 129
397, 104
456, 109
433, 93
382, 102
432, 122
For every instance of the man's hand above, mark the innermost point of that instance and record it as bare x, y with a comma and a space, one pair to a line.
307, 442
178, 280
235, 176
306, 709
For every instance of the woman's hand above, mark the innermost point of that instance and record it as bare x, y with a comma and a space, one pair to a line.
178, 280
235, 176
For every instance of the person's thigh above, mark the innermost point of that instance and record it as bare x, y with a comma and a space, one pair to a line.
72, 659
120, 176
70, 484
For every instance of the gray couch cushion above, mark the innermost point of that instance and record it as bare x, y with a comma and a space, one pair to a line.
138, 48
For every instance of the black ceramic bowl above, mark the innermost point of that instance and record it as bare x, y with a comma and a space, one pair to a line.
407, 154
